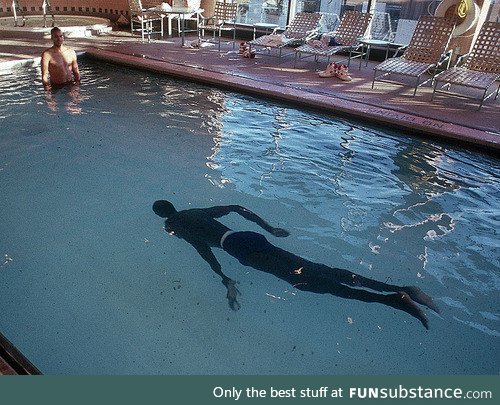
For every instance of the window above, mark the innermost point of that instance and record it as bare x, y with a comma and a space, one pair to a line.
266, 11
386, 14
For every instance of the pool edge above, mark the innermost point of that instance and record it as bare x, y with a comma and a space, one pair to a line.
13, 362
413, 123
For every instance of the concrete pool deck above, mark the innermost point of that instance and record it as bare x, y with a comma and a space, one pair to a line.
449, 118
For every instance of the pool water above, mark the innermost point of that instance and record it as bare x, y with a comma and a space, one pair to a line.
90, 283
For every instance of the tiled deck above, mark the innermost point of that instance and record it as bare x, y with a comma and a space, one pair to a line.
446, 118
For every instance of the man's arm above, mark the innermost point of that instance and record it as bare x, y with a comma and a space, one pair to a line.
74, 68
219, 211
232, 292
45, 69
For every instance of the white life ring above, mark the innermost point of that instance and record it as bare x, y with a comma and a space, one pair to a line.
469, 21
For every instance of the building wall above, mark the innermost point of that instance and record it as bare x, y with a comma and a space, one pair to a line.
102, 8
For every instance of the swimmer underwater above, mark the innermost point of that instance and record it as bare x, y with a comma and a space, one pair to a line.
200, 228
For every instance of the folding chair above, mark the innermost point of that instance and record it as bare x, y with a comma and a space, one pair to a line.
141, 20
223, 19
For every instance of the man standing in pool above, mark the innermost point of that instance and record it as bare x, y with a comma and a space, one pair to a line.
59, 63
202, 231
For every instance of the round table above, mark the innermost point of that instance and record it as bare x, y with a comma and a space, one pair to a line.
375, 43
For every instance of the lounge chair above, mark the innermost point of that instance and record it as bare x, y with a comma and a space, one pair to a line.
398, 41
142, 20
352, 27
223, 19
479, 69
302, 27
426, 51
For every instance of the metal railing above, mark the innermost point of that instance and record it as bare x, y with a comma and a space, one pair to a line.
18, 11
47, 8
16, 8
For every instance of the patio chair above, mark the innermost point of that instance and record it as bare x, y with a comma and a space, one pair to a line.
223, 19
403, 34
329, 22
352, 27
478, 69
426, 51
381, 26
142, 20
302, 27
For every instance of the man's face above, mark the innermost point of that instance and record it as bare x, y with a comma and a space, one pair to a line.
58, 38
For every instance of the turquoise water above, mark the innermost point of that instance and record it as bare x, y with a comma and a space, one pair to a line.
90, 283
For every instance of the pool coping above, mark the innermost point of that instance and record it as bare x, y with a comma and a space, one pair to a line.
413, 123
100, 24
13, 362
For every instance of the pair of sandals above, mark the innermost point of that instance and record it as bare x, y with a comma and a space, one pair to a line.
336, 70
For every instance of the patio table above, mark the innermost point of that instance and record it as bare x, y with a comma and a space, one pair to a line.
182, 13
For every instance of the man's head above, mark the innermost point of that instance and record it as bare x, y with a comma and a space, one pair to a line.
57, 36
163, 208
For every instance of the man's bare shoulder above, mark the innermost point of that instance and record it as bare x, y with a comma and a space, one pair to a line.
48, 52
54, 52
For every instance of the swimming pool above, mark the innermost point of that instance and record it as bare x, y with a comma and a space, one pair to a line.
90, 283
